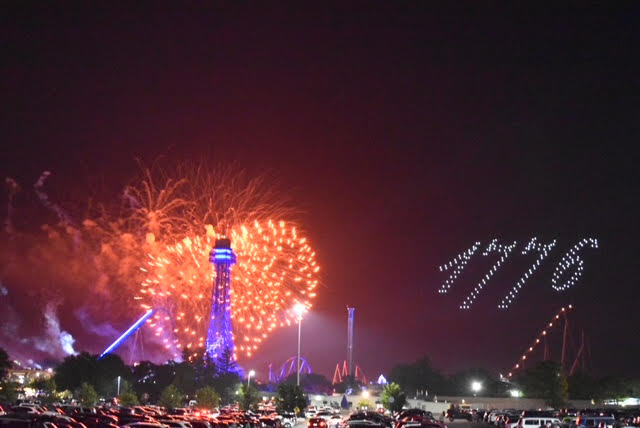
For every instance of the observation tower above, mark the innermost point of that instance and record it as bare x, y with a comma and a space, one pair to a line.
219, 335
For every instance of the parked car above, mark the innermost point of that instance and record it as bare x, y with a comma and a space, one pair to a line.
18, 421
324, 414
456, 413
335, 421
597, 420
371, 418
417, 421
24, 410
270, 422
317, 423
289, 420
415, 412
568, 422
536, 421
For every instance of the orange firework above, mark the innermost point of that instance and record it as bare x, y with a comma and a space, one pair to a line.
276, 269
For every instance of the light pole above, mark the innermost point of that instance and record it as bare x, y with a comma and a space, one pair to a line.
251, 373
118, 394
299, 309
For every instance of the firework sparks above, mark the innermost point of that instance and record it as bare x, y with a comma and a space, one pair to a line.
276, 268
154, 243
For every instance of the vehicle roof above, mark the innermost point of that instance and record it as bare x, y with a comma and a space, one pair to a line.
596, 417
539, 417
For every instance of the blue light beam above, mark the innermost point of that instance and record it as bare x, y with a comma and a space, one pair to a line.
128, 333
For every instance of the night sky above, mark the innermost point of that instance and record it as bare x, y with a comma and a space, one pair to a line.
402, 133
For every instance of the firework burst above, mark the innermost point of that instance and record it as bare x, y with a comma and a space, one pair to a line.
153, 244
276, 266
276, 269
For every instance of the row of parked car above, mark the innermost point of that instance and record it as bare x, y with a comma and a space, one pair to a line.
30, 415
567, 418
413, 418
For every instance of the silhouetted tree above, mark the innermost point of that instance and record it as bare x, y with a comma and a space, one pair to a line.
204, 367
128, 397
226, 363
102, 374
227, 385
418, 376
87, 395
290, 398
146, 382
46, 390
5, 363
545, 381
617, 387
248, 397
348, 382
9, 392
171, 397
76, 370
582, 386
393, 397
207, 398
184, 378
108, 368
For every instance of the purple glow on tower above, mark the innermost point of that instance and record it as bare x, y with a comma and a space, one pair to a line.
220, 334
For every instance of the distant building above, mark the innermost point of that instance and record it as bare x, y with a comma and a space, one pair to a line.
25, 375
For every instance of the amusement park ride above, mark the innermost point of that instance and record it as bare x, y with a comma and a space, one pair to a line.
574, 355
348, 366
288, 368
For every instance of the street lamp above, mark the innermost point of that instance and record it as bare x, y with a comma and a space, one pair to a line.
118, 394
476, 387
299, 310
251, 373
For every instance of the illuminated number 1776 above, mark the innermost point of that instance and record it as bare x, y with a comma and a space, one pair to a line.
571, 258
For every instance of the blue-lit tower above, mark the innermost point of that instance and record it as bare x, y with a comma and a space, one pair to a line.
220, 335
350, 365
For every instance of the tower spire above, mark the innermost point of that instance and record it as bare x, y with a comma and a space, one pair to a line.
351, 368
219, 335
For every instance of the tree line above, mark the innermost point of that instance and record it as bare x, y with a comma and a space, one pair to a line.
215, 382
545, 380
211, 382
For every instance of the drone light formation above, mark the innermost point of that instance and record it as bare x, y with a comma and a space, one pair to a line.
543, 251
571, 258
494, 246
460, 261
